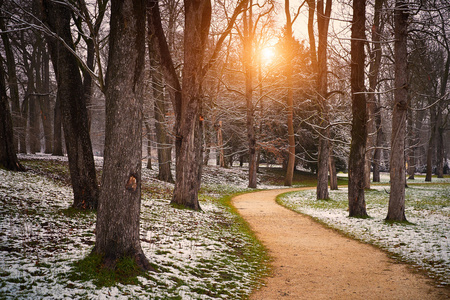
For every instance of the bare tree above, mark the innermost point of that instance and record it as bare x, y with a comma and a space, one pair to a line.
73, 106
356, 201
164, 148
396, 211
375, 62
118, 215
8, 157
320, 64
290, 98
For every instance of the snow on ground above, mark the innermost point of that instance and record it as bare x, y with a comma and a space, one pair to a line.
425, 243
199, 255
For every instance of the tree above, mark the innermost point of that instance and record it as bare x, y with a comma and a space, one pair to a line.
164, 148
356, 201
12, 74
187, 101
375, 62
73, 106
396, 210
248, 37
323, 20
118, 214
188, 135
290, 98
8, 157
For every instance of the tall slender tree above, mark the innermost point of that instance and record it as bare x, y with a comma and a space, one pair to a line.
375, 63
164, 148
356, 201
290, 98
396, 210
8, 157
323, 20
118, 215
73, 105
248, 37
12, 82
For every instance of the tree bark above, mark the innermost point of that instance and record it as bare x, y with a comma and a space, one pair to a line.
149, 144
8, 157
375, 62
396, 210
378, 144
333, 175
323, 19
12, 83
188, 132
431, 144
248, 70
290, 98
220, 145
34, 132
164, 147
356, 200
44, 101
73, 108
57, 128
117, 231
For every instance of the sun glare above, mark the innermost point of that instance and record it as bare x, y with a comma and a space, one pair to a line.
267, 55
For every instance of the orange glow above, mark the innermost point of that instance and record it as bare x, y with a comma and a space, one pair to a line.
267, 55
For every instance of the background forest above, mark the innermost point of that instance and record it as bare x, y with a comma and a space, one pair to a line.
317, 86
32, 88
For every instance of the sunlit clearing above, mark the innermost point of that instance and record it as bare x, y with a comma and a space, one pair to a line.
267, 55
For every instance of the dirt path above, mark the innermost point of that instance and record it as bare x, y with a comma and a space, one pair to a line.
313, 262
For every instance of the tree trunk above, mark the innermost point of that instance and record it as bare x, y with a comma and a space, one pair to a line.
333, 175
290, 98
356, 200
12, 83
23, 126
188, 131
410, 152
396, 210
220, 145
431, 144
441, 122
164, 147
162, 139
73, 108
378, 144
323, 19
375, 62
57, 128
44, 101
34, 132
439, 133
149, 144
248, 66
8, 157
117, 231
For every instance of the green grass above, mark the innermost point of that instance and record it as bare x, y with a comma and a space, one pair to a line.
91, 268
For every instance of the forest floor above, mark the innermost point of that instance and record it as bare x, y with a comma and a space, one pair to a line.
311, 261
213, 254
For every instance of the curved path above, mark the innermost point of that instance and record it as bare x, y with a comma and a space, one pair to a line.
313, 262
